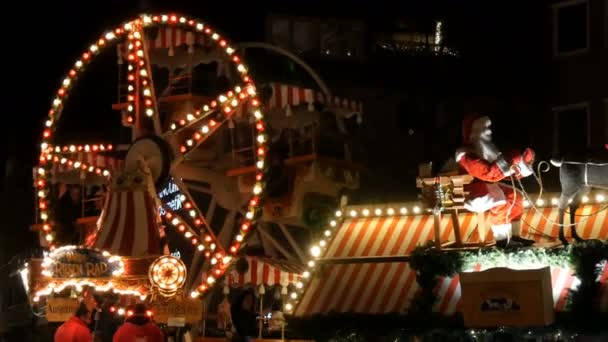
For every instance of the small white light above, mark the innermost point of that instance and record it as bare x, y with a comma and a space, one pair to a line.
333, 223
259, 164
175, 221
338, 213
188, 234
201, 248
215, 36
299, 285
600, 198
261, 138
327, 233
164, 17
241, 68
540, 202
585, 199
294, 295
222, 98
311, 263
210, 280
194, 294
78, 64
403, 211
365, 212
189, 117
322, 243
416, 210
149, 112
121, 311
94, 48
378, 212
315, 251
229, 50
249, 215
199, 26
390, 211
554, 201
306, 274
353, 213
110, 35
526, 203
239, 238
288, 307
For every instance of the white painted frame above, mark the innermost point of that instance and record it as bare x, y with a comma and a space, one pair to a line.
554, 28
556, 110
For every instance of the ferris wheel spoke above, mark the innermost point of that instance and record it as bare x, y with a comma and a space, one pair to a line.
198, 216
227, 102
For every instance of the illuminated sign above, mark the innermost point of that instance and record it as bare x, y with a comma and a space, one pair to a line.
81, 262
170, 196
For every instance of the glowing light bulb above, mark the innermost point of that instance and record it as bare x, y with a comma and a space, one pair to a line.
294, 295
327, 233
338, 213
403, 211
416, 210
299, 285
311, 263
194, 294
288, 307
353, 213
585, 199
600, 198
378, 212
315, 251
201, 248
554, 201
333, 223
540, 202
526, 203
390, 211
365, 212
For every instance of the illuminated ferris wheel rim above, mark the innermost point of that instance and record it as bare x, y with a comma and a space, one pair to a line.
141, 76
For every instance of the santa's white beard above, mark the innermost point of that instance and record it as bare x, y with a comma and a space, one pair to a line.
486, 150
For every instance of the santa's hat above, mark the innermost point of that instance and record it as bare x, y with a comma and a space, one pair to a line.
467, 126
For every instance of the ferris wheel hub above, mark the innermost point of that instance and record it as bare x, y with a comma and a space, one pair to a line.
155, 152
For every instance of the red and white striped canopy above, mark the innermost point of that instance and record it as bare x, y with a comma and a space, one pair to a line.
174, 36
391, 286
128, 224
285, 96
266, 271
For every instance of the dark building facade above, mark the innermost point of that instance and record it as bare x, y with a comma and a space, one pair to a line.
418, 76
578, 83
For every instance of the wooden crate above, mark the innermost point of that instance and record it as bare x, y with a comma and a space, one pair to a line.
506, 297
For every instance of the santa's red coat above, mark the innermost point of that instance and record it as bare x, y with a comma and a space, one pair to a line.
484, 194
73, 330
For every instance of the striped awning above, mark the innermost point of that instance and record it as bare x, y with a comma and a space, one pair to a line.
128, 224
266, 271
390, 286
285, 96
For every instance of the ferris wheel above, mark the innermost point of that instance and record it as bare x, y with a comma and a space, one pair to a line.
173, 134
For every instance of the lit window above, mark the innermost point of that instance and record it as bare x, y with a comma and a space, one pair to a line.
570, 27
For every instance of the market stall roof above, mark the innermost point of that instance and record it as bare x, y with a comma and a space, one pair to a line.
383, 287
267, 271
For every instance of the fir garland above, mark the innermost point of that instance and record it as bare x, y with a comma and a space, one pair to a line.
584, 258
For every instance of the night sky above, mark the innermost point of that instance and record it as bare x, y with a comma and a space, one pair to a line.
41, 43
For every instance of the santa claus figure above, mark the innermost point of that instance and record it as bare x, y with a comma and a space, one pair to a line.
480, 158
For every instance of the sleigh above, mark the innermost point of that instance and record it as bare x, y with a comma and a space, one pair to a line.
444, 194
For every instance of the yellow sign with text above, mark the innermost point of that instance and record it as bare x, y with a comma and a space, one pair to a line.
60, 309
189, 309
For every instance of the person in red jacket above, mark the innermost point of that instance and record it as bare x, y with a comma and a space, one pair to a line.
76, 329
139, 327
480, 158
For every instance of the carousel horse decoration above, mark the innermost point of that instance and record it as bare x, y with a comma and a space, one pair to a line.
577, 177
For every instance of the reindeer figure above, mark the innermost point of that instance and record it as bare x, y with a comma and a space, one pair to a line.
576, 179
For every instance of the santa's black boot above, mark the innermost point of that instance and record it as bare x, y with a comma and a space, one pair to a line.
516, 231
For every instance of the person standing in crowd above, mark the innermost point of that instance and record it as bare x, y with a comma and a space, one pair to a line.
108, 321
76, 329
243, 317
69, 209
138, 327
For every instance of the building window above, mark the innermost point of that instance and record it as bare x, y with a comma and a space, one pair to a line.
571, 128
342, 39
570, 27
